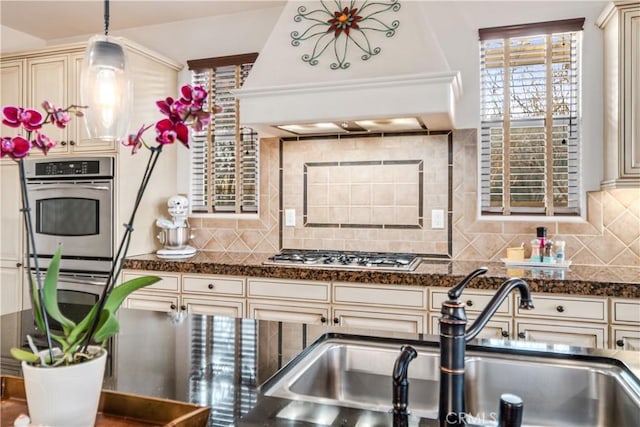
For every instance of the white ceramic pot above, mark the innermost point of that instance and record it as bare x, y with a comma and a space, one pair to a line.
65, 396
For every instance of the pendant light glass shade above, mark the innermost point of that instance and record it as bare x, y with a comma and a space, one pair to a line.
106, 89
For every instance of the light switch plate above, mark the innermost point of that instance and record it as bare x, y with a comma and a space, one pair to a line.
290, 217
437, 219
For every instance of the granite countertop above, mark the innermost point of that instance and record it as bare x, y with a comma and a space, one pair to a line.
220, 362
577, 279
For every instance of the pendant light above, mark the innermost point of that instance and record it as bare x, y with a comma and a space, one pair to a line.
105, 86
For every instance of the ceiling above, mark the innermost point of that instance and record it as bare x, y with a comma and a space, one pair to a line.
53, 19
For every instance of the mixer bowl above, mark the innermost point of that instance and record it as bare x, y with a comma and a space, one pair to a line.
174, 238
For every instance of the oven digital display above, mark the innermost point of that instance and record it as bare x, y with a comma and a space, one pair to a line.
85, 167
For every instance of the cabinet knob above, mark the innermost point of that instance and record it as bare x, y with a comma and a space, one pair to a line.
18, 264
560, 309
210, 286
336, 321
63, 142
522, 335
72, 143
620, 343
183, 307
172, 306
505, 334
323, 319
469, 303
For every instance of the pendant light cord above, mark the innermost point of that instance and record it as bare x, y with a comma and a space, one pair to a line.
106, 17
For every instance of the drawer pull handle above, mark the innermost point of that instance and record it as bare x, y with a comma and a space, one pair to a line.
183, 307
505, 334
63, 143
18, 264
560, 309
620, 343
72, 142
210, 286
522, 335
172, 306
323, 319
336, 320
469, 303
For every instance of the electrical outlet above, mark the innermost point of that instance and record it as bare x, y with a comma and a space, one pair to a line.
437, 219
290, 217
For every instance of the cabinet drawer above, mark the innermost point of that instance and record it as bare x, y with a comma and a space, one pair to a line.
213, 285
384, 296
625, 339
168, 282
566, 308
297, 290
566, 333
475, 301
498, 327
152, 302
299, 313
373, 321
228, 307
625, 311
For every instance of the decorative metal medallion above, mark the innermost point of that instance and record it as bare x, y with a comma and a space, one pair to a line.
340, 26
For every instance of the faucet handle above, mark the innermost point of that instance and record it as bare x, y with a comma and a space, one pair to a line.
455, 292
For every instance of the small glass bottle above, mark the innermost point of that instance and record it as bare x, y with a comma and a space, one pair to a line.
535, 250
559, 247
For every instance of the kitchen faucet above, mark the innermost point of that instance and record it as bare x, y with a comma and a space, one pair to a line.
453, 339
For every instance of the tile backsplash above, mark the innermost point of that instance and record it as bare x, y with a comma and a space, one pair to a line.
354, 201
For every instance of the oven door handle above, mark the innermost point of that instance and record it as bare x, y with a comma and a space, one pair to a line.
66, 187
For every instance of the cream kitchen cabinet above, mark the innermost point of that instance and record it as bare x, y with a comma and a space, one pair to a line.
621, 28
12, 78
379, 307
289, 300
562, 319
625, 324
498, 327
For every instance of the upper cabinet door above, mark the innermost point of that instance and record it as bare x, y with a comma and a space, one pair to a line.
48, 81
11, 88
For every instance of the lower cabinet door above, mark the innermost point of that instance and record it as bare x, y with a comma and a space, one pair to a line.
379, 320
287, 311
625, 338
575, 334
140, 301
216, 306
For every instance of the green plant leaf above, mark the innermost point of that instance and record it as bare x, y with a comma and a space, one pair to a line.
37, 310
76, 333
120, 293
108, 326
24, 355
51, 294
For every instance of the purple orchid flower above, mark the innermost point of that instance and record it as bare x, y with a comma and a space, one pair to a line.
16, 116
43, 142
168, 131
136, 141
16, 147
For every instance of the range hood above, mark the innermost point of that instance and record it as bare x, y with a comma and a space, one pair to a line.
408, 85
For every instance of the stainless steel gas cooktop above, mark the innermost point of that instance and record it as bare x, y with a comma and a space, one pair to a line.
346, 259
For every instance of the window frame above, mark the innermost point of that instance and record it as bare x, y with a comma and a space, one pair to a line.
208, 197
575, 198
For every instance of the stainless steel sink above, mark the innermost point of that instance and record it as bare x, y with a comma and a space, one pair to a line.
560, 390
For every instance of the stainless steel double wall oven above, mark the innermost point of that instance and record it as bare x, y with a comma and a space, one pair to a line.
72, 204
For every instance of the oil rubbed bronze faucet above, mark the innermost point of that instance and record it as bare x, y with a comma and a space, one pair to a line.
453, 339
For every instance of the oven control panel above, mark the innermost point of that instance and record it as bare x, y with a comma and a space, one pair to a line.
77, 167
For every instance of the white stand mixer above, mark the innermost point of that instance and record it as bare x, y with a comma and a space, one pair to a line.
175, 233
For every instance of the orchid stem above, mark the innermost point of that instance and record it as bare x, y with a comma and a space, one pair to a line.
26, 209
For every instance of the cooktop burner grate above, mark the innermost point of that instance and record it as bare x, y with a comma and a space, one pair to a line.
346, 259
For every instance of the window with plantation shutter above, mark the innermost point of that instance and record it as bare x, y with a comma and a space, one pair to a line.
530, 118
224, 156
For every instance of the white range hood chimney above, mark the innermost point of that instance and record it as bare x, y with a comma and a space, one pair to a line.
408, 78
